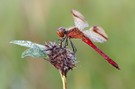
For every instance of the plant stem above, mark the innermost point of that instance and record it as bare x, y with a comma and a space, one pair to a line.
64, 82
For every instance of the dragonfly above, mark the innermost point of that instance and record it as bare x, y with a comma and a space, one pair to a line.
94, 34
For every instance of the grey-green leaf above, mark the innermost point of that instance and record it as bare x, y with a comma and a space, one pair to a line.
24, 43
35, 51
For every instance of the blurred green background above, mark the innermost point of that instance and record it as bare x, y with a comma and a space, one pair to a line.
38, 20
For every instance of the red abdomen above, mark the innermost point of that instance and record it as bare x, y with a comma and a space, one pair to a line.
113, 63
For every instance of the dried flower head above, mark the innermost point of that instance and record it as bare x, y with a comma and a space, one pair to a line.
62, 58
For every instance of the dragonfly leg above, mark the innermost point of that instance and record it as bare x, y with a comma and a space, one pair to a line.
61, 41
73, 46
66, 42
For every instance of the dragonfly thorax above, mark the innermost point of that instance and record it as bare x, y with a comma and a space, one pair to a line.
61, 31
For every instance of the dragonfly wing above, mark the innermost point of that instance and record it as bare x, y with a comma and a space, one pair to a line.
79, 20
96, 34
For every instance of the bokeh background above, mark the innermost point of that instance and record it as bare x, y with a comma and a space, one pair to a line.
38, 20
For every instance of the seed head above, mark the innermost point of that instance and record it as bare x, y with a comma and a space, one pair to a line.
61, 58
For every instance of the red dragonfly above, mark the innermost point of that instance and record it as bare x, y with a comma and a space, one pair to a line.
94, 34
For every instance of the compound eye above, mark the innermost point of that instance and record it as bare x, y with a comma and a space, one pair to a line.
62, 29
61, 32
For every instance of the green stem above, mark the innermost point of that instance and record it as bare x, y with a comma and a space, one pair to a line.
64, 82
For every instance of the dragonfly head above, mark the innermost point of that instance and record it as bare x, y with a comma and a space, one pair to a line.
61, 31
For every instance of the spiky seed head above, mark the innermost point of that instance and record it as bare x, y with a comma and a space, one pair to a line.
61, 58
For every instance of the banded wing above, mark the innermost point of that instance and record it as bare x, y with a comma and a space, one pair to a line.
96, 34
79, 20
